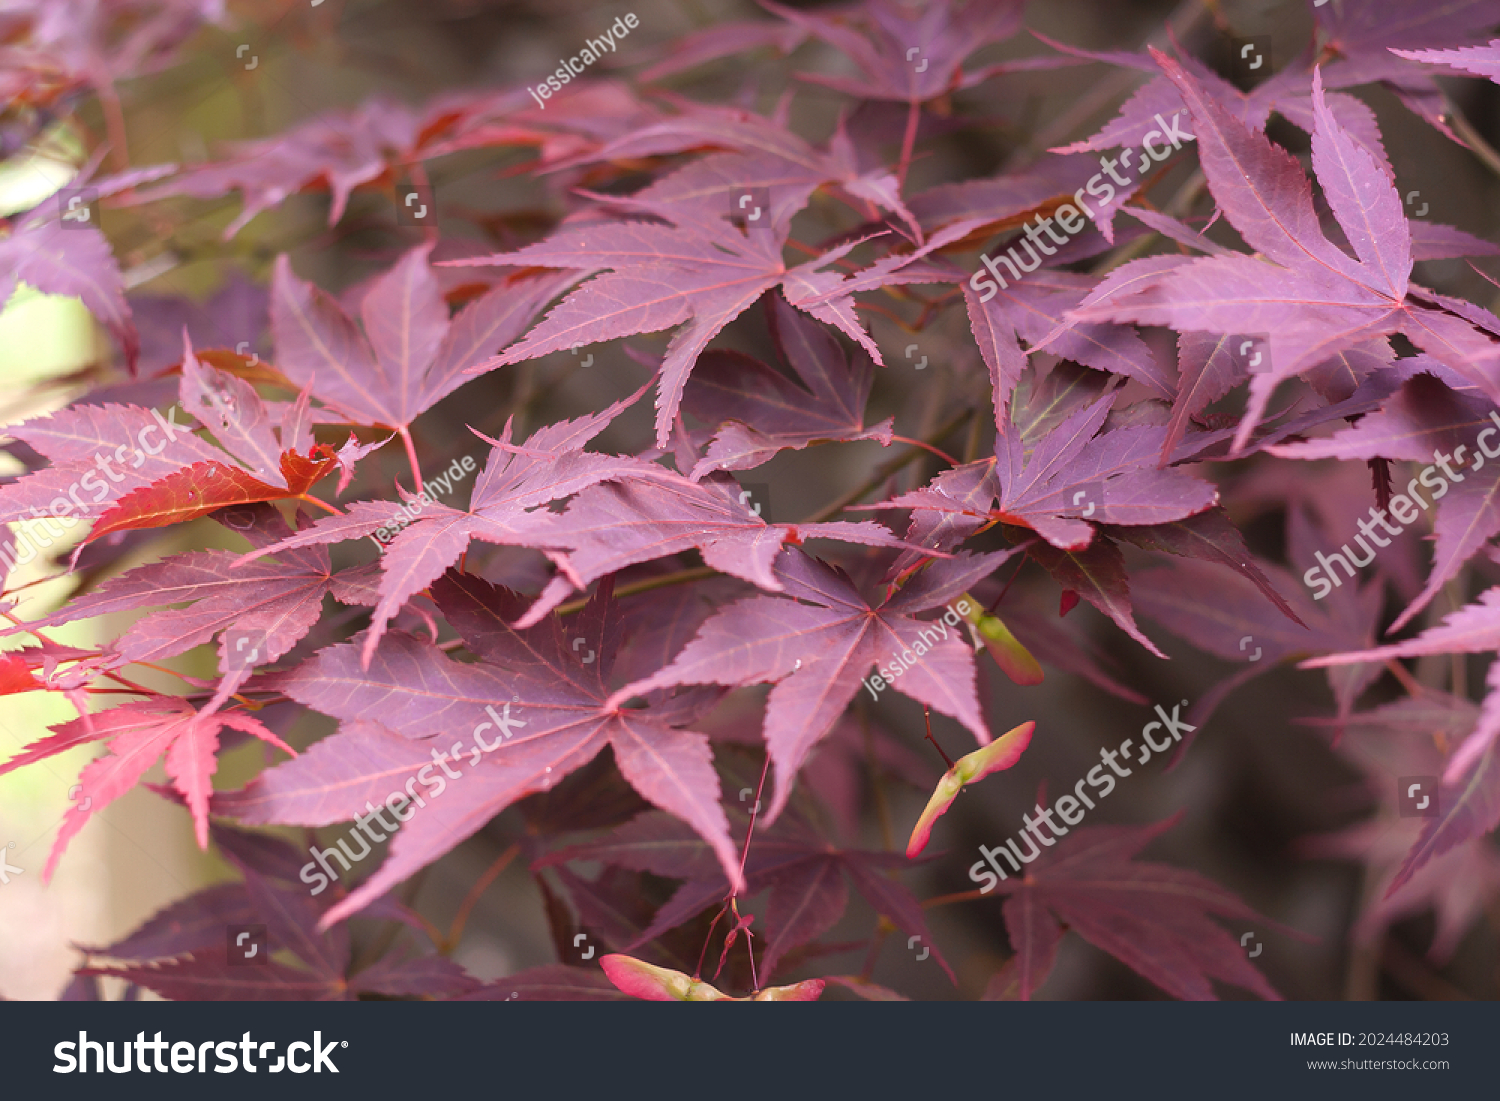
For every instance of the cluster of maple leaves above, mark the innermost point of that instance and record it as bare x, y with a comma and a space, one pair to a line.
666, 591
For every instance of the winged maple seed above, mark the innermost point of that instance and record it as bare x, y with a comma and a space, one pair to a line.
1000, 754
661, 984
1010, 655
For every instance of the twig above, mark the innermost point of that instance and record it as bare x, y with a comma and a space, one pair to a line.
681, 577
1176, 207
114, 121
729, 900
1402, 674
324, 505
411, 454
1413, 974
456, 930
882, 472
882, 808
944, 900
947, 760
913, 114
947, 458
1472, 138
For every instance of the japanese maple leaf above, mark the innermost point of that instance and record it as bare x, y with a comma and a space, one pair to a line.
808, 880
829, 296
1468, 806
608, 527
1008, 200
273, 467
1310, 297
757, 412
1058, 471
817, 647
1153, 918
764, 154
912, 54
1031, 309
1472, 629
1456, 887
1421, 421
1229, 616
138, 734
1056, 474
1479, 60
1285, 92
1212, 364
1362, 37
410, 354
69, 258
343, 150
514, 481
181, 954
1442, 863
33, 668
1051, 481
699, 269
98, 454
556, 720
723, 39
1059, 477
574, 123
54, 49
340, 150
1352, 44
235, 316
15, 675
274, 604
